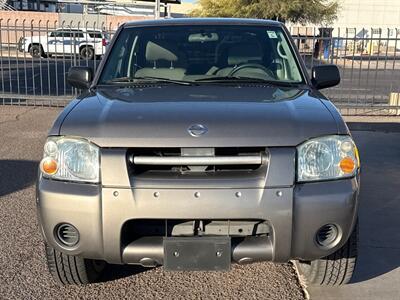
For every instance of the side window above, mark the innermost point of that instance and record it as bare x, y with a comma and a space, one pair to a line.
67, 34
96, 35
57, 33
61, 34
118, 62
291, 71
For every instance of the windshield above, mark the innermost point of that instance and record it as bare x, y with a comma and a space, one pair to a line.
198, 54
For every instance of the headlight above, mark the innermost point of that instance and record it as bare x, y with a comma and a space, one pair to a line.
325, 158
71, 159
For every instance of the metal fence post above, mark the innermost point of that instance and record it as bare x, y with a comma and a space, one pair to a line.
9, 56
48, 59
1, 59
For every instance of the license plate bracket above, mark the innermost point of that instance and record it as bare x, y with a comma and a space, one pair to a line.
197, 253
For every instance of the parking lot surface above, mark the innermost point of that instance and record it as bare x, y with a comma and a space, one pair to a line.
23, 271
377, 273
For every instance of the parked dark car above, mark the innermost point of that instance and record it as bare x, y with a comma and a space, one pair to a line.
200, 142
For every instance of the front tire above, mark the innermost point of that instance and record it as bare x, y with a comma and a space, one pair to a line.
335, 269
87, 53
36, 51
73, 270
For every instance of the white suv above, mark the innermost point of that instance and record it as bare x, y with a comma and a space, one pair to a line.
87, 43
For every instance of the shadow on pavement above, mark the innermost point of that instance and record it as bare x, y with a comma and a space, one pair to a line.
16, 175
379, 127
115, 272
379, 210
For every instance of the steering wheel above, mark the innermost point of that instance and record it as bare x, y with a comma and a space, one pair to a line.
251, 66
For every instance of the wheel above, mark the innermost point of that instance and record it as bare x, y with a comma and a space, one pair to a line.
87, 53
75, 270
35, 51
335, 269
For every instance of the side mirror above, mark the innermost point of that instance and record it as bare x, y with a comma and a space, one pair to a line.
325, 76
80, 77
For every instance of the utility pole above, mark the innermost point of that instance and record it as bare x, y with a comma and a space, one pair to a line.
157, 10
167, 13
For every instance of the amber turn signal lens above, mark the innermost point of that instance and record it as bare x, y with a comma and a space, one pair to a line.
347, 165
49, 166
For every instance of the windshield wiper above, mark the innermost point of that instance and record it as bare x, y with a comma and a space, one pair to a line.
146, 79
241, 79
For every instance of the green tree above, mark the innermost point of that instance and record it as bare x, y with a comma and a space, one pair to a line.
297, 11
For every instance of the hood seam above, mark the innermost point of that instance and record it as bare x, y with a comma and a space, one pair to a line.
67, 114
330, 112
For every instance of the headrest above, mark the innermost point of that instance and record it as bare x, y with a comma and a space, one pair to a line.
244, 53
156, 52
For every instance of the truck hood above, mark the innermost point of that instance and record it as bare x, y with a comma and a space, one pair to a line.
235, 116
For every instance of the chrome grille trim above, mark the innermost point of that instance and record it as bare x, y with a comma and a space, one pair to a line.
198, 160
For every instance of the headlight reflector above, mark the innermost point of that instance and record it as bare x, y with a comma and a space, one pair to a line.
325, 158
71, 159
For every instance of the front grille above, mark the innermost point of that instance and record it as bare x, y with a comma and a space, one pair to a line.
185, 160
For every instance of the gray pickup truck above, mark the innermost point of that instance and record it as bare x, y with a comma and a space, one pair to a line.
198, 143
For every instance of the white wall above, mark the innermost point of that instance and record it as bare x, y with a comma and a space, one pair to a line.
369, 13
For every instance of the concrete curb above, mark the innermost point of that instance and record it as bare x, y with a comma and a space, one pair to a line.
301, 280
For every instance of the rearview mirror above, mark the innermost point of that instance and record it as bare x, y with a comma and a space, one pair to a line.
325, 76
203, 37
80, 77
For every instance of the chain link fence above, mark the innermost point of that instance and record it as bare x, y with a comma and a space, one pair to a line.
35, 58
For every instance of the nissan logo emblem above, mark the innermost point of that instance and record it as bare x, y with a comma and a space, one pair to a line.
197, 130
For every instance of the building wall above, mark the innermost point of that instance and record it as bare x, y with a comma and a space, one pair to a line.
27, 18
183, 8
359, 15
369, 14
101, 21
15, 24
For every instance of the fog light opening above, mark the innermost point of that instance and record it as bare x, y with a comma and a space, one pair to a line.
67, 235
327, 236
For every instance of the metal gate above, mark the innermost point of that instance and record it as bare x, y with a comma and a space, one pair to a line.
35, 58
369, 64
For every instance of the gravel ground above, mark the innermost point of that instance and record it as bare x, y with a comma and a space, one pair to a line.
23, 272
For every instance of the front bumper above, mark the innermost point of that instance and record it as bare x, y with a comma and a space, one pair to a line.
295, 213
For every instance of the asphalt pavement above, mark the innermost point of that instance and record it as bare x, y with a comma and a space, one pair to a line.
377, 273
23, 270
